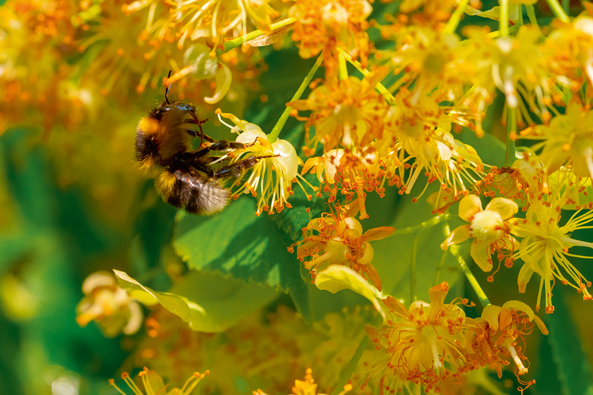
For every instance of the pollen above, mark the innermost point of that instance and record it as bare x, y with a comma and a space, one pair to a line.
487, 225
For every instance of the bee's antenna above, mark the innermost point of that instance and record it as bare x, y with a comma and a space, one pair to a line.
167, 88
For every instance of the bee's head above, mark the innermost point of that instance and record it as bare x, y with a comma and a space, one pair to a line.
168, 105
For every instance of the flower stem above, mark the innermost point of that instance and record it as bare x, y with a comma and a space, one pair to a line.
380, 88
343, 70
558, 11
504, 18
510, 156
456, 17
284, 117
423, 225
413, 280
484, 301
531, 14
439, 270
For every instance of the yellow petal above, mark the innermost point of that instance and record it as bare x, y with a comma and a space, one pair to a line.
437, 295
524, 276
540, 324
490, 315
480, 251
505, 207
224, 78
311, 163
373, 276
469, 206
396, 306
519, 306
459, 235
377, 233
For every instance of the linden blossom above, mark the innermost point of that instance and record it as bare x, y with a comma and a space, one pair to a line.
434, 343
340, 241
489, 228
351, 172
273, 175
154, 384
109, 305
545, 246
307, 387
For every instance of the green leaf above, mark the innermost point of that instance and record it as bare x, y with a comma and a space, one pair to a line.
573, 368
207, 301
394, 254
238, 243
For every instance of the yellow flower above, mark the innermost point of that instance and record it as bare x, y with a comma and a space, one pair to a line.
330, 24
567, 141
489, 228
307, 387
426, 343
514, 65
340, 241
348, 113
497, 333
350, 172
545, 246
568, 50
525, 180
428, 60
109, 305
273, 174
217, 19
418, 133
154, 384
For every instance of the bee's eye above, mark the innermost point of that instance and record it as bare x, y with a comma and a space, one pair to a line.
186, 107
158, 112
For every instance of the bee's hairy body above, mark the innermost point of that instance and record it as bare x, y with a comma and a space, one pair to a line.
188, 179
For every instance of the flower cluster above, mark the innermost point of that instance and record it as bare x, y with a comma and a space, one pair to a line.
544, 246
434, 343
421, 114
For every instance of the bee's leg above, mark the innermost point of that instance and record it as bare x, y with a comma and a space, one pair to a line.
220, 145
224, 145
236, 169
197, 121
195, 133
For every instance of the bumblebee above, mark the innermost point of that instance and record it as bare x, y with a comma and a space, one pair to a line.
189, 179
